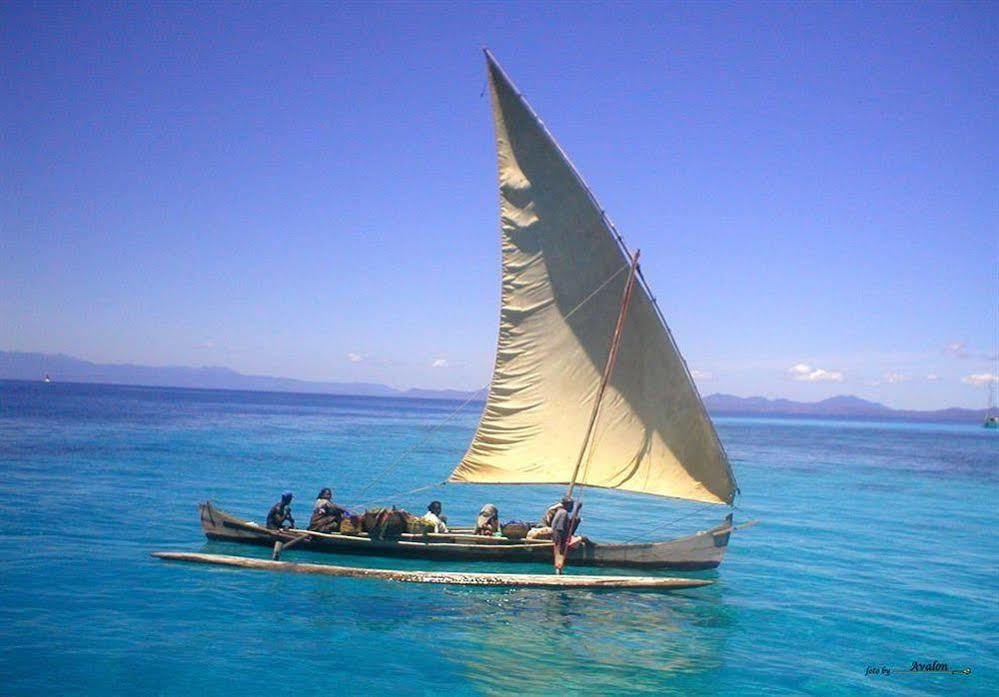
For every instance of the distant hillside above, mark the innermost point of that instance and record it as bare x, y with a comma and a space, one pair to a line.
61, 368
843, 406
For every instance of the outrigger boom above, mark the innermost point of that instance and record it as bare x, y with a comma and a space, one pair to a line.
457, 578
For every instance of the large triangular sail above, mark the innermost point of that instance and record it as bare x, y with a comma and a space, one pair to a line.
563, 276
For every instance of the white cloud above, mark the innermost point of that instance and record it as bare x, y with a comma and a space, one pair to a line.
956, 349
980, 379
439, 363
806, 373
932, 377
893, 378
355, 357
206, 345
701, 375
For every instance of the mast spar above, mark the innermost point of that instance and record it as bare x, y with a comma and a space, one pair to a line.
608, 367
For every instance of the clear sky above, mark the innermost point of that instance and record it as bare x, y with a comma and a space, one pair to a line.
309, 189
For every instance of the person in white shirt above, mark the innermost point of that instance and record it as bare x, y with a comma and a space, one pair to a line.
434, 515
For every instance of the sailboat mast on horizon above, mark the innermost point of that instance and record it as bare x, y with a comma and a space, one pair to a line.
991, 417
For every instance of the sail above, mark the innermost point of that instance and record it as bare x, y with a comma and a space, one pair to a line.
563, 278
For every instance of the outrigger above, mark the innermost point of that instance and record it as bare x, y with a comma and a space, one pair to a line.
453, 578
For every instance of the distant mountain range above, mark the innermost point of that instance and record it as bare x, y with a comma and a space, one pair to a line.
61, 368
843, 406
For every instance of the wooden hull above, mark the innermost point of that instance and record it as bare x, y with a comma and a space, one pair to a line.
460, 578
702, 550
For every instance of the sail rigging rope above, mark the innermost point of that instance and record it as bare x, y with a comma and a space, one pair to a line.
409, 451
669, 523
411, 491
599, 288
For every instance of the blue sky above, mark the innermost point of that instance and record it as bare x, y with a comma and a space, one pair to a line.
308, 190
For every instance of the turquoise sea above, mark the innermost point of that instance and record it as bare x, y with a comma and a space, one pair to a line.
877, 548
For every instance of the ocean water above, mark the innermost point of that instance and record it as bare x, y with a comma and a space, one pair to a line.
877, 548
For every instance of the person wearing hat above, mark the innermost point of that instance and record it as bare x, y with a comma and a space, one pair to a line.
435, 517
546, 519
488, 521
280, 514
564, 524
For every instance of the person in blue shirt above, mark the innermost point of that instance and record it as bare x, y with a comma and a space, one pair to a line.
280, 514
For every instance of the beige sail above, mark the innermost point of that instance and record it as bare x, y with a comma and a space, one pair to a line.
563, 276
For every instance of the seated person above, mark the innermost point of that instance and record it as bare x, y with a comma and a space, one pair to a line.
434, 516
326, 515
543, 530
280, 514
546, 519
487, 522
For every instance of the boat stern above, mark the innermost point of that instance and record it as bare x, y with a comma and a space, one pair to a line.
702, 550
219, 525
209, 518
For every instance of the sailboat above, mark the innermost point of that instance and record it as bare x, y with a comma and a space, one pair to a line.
991, 416
588, 389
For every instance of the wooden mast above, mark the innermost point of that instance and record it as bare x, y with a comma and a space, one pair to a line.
608, 367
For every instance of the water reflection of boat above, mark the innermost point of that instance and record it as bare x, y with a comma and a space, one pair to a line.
631, 643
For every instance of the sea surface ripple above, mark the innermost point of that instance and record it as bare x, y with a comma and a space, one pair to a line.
877, 547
